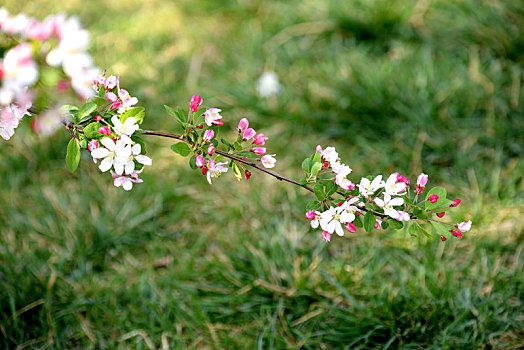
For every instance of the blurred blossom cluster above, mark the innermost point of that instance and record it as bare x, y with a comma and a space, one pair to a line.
52, 51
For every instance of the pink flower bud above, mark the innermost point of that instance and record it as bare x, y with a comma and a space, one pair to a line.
259, 150
422, 180
455, 203
242, 125
104, 130
204, 171
443, 238
378, 224
193, 107
402, 178
310, 215
199, 161
433, 198
208, 135
200, 126
440, 215
456, 233
249, 134
98, 117
260, 139
115, 105
211, 149
196, 99
111, 97
248, 174
318, 149
93, 144
326, 236
351, 227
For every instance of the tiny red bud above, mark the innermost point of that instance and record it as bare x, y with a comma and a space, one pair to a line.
248, 174
441, 214
98, 118
455, 203
325, 165
443, 238
204, 171
340, 203
433, 198
200, 126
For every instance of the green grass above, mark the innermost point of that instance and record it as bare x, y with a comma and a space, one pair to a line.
394, 85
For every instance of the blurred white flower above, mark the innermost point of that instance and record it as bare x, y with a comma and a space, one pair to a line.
268, 85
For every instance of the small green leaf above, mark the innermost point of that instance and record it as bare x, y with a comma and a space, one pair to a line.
441, 204
426, 233
99, 101
319, 192
181, 148
384, 224
245, 154
170, 111
331, 187
440, 228
302, 181
315, 169
237, 146
413, 229
307, 164
91, 130
138, 113
317, 158
313, 205
369, 221
397, 225
358, 222
237, 171
73, 155
192, 162
86, 109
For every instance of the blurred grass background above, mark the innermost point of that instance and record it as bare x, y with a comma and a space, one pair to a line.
403, 85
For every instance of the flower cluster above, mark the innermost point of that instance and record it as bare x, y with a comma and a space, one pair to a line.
340, 203
107, 126
202, 142
57, 41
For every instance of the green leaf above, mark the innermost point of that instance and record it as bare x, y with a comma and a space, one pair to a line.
441, 205
358, 222
369, 221
137, 112
91, 130
331, 188
315, 169
397, 225
317, 158
384, 224
413, 229
439, 228
192, 162
237, 146
302, 181
73, 155
426, 233
307, 164
313, 205
181, 148
237, 171
319, 192
83, 141
419, 213
439, 191
86, 109
99, 101
170, 111
244, 154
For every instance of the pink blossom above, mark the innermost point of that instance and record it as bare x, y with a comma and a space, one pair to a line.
111, 82
93, 144
248, 134
456, 233
268, 161
326, 236
196, 101
211, 149
433, 198
208, 135
402, 216
351, 227
259, 150
441, 214
212, 116
310, 215
199, 161
318, 149
125, 180
115, 105
111, 96
464, 226
402, 178
39, 31
242, 125
104, 130
422, 180
455, 203
260, 139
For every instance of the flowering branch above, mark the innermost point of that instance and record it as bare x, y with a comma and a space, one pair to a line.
108, 126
